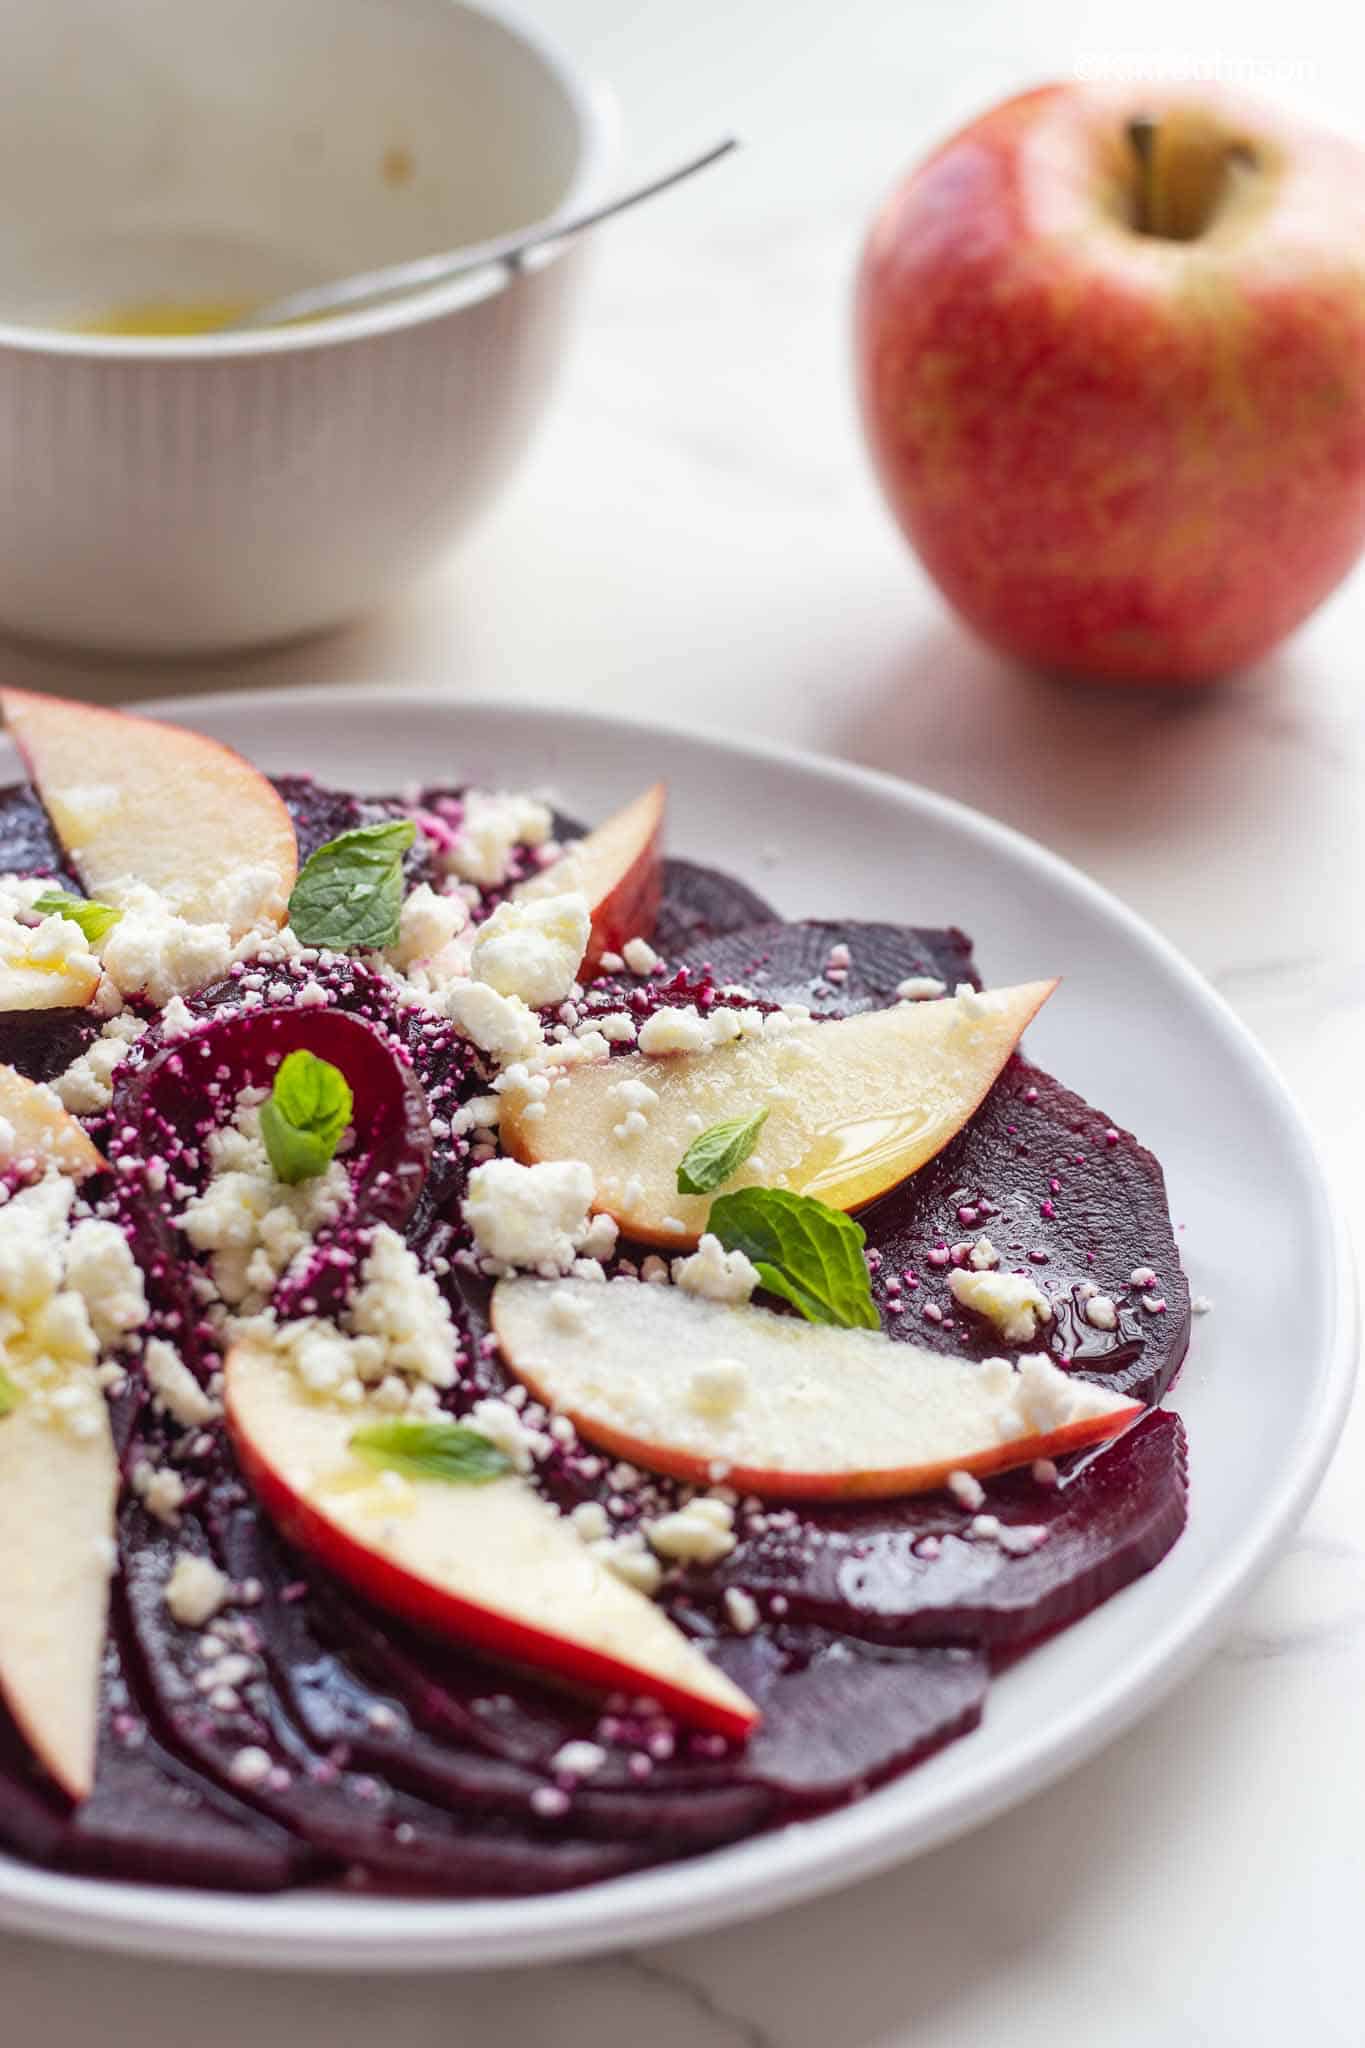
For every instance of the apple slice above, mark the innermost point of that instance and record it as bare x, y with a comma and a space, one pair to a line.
492, 1565
619, 868
786, 1409
854, 1107
133, 800
43, 1130
33, 985
57, 1495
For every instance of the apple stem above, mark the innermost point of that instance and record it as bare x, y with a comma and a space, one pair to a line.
1183, 162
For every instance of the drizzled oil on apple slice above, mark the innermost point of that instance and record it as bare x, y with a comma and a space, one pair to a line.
853, 1107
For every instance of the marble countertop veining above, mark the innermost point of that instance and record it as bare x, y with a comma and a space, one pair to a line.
696, 535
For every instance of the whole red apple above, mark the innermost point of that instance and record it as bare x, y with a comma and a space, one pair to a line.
1111, 358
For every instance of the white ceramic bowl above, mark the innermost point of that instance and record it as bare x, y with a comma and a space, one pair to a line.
183, 495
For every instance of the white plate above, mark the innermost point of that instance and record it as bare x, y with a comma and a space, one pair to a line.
1135, 1029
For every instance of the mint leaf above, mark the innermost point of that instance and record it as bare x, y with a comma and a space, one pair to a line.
94, 919
350, 891
432, 1450
806, 1252
711, 1159
9, 1395
308, 1108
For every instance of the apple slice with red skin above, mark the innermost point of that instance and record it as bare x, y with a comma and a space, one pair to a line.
619, 868
854, 1107
789, 1410
134, 800
491, 1565
57, 1497
44, 1132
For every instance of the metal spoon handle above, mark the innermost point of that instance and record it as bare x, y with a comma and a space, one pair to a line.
429, 270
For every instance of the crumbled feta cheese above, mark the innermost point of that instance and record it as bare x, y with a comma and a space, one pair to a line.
1201, 1305
716, 1273
402, 1307
532, 1216
493, 825
578, 1759
1142, 1276
617, 1027
1101, 1313
254, 1225
640, 957
533, 948
670, 1031
741, 1610
717, 1388
630, 1560
250, 1767
161, 1491
154, 953
1009, 1300
102, 1269
702, 1532
87, 1085
506, 1430
426, 925
983, 1255
196, 1590
175, 1386
920, 988
500, 1025
966, 1489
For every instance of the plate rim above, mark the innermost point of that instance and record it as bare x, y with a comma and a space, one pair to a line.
177, 1923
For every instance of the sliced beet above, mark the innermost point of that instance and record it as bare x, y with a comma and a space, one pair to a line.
701, 904
909, 1572
790, 963
43, 1043
28, 844
1062, 1194
840, 1715
320, 814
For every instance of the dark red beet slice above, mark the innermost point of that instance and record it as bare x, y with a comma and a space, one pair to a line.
320, 814
1062, 1194
909, 1573
190, 1088
43, 1043
788, 963
701, 904
28, 844
840, 1715
351, 1816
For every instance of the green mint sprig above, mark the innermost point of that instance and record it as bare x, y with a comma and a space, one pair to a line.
451, 1451
94, 919
350, 892
302, 1121
806, 1252
712, 1158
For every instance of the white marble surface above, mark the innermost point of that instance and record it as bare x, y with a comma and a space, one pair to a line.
696, 536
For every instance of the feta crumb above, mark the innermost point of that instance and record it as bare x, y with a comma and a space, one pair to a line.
741, 1610
983, 1255
640, 957
700, 1533
1201, 1305
250, 1767
1009, 1300
161, 1491
493, 825
1101, 1313
920, 988
578, 1759
531, 1216
590, 1521
500, 1025
966, 1489
175, 1386
195, 1591
715, 1273
427, 923
533, 948
672, 1031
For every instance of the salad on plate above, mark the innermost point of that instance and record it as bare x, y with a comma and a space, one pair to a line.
517, 1362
